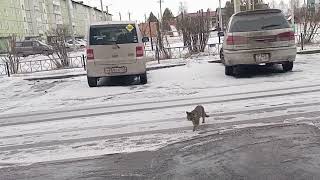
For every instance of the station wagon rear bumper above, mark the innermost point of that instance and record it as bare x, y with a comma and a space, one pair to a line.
243, 57
94, 70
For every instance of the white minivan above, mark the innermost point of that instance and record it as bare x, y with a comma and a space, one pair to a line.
115, 49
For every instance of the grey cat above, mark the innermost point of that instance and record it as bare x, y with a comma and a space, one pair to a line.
195, 116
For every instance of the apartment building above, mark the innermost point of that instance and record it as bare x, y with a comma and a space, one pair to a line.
12, 18
35, 18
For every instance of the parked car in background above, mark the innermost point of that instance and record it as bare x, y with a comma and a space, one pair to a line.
32, 47
83, 41
78, 44
258, 37
115, 49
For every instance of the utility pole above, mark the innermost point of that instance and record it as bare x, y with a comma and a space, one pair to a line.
249, 5
107, 12
145, 18
220, 16
236, 6
120, 16
292, 13
253, 4
129, 13
103, 14
160, 4
70, 15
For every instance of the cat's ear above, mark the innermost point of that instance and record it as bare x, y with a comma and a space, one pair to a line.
187, 112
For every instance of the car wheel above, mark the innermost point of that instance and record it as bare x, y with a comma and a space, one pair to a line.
222, 56
269, 64
143, 78
92, 81
287, 66
229, 70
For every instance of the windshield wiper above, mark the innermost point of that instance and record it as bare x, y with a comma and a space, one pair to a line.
115, 43
269, 26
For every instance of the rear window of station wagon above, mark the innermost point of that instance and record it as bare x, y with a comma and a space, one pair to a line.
113, 34
258, 22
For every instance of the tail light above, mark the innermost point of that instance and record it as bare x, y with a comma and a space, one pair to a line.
90, 54
139, 51
286, 36
236, 40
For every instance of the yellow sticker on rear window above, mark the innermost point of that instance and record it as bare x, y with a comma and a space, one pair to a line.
130, 27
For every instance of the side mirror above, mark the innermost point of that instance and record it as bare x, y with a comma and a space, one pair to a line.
220, 33
145, 39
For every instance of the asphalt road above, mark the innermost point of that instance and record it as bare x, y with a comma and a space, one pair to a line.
279, 152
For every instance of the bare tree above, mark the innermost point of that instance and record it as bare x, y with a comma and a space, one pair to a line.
57, 39
309, 17
11, 56
160, 47
195, 31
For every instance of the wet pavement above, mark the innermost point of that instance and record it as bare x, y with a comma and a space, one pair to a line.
280, 152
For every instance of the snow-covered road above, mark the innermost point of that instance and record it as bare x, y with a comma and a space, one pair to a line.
62, 119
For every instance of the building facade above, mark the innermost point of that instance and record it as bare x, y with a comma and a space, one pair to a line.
35, 18
12, 18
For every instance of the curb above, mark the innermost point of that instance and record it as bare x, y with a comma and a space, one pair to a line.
215, 61
164, 67
84, 74
309, 52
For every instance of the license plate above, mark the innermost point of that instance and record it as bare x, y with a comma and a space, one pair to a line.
115, 70
260, 58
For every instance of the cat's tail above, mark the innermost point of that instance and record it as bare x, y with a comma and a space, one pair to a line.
207, 115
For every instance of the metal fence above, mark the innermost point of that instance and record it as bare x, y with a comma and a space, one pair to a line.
183, 52
3, 69
32, 66
314, 42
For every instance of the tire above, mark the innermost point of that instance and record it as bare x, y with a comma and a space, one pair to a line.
229, 70
269, 64
143, 78
287, 66
92, 81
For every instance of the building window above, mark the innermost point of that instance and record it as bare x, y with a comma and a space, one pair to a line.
22, 6
24, 19
5, 12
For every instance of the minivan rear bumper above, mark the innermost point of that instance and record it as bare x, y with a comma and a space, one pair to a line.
136, 68
243, 57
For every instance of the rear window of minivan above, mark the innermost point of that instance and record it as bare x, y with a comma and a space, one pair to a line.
111, 34
258, 22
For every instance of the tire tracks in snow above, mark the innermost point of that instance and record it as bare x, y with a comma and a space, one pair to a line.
213, 115
315, 115
17, 115
81, 114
